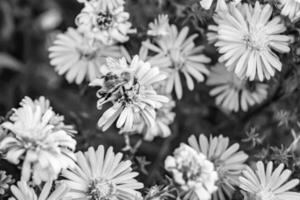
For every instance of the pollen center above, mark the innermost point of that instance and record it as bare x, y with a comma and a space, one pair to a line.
86, 53
101, 189
265, 195
256, 40
177, 58
191, 170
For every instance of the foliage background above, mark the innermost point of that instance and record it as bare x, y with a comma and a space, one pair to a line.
25, 71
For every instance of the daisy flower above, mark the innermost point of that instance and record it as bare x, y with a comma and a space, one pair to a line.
177, 53
109, 26
227, 159
129, 89
160, 27
104, 4
22, 191
193, 172
78, 58
247, 39
267, 183
102, 175
38, 138
290, 8
220, 4
233, 93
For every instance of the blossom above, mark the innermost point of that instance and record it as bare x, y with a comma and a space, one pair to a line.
233, 93
39, 138
160, 26
129, 88
227, 159
267, 184
78, 57
5, 182
221, 4
193, 172
24, 192
290, 8
102, 175
106, 25
247, 40
176, 53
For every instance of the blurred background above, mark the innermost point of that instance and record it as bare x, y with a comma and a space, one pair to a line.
27, 29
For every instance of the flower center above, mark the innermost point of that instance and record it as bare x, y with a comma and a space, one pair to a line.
176, 58
86, 53
255, 40
104, 20
101, 189
30, 144
191, 171
251, 86
236, 82
264, 195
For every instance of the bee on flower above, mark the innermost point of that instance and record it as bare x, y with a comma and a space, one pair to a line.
193, 172
99, 20
177, 54
22, 191
78, 57
227, 159
101, 175
130, 89
38, 138
233, 93
247, 39
268, 183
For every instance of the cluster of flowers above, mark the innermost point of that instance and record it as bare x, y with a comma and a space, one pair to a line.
94, 52
247, 38
210, 168
139, 90
37, 139
80, 53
